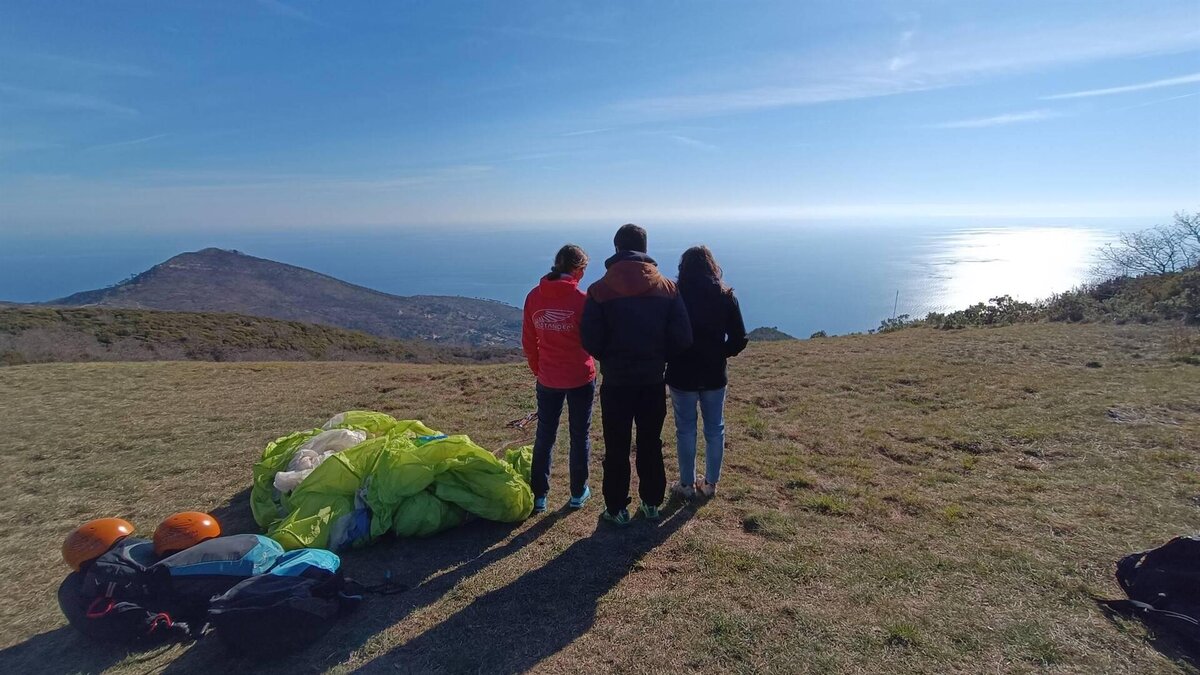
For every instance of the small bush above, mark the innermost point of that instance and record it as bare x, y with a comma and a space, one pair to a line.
901, 634
828, 504
756, 427
953, 513
799, 483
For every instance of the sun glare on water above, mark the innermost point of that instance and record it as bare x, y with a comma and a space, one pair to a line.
969, 266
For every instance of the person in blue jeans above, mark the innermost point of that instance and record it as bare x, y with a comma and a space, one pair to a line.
699, 375
564, 371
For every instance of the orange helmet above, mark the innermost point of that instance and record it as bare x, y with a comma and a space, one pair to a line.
92, 539
184, 530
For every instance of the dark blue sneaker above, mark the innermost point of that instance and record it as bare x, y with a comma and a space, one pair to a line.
539, 504
620, 518
578, 502
649, 511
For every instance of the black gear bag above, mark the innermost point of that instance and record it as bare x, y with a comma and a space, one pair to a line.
113, 598
285, 610
1163, 585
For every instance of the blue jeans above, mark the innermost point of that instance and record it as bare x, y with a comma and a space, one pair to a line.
579, 421
712, 408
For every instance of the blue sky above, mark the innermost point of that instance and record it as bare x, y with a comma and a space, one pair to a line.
270, 115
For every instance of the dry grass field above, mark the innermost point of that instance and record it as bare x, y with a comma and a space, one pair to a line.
911, 502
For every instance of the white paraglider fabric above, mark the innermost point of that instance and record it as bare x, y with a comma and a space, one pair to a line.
314, 451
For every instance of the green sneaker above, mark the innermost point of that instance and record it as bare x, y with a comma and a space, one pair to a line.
620, 519
649, 512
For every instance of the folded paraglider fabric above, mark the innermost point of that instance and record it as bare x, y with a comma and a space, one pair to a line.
404, 478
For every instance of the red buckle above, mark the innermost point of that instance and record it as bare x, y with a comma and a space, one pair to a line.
93, 613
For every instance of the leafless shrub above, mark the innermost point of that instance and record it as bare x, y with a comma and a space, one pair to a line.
1159, 250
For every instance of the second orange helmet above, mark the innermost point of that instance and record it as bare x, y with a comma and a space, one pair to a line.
184, 530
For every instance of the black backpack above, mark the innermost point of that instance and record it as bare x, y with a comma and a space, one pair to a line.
113, 598
284, 610
1163, 585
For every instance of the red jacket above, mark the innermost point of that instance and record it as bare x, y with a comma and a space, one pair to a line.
550, 334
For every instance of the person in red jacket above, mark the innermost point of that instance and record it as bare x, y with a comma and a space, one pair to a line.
564, 371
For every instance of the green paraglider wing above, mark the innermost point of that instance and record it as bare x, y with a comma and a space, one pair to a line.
406, 478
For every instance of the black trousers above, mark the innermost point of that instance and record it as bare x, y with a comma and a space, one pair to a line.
621, 408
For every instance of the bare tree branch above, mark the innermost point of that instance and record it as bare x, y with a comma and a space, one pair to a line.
1159, 250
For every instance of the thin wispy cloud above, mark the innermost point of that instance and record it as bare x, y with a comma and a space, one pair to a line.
15, 146
307, 183
122, 144
544, 34
531, 156
61, 100
1157, 101
904, 53
91, 66
1143, 86
587, 132
690, 142
763, 98
285, 10
946, 60
1001, 120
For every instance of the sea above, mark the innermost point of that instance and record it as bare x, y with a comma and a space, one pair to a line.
838, 277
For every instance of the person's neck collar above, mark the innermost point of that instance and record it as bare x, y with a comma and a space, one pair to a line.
630, 256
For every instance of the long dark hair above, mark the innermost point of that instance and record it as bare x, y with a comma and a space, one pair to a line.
699, 269
568, 259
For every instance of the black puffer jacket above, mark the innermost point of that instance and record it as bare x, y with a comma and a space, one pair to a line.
633, 321
718, 333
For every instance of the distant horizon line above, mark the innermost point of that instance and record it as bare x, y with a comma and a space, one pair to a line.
774, 218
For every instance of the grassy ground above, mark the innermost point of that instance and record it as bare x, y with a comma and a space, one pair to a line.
917, 501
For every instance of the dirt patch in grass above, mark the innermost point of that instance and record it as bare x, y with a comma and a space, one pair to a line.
929, 501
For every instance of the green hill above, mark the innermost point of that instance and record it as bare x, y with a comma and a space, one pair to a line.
30, 334
215, 280
917, 501
768, 334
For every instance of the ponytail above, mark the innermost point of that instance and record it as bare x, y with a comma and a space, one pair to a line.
568, 259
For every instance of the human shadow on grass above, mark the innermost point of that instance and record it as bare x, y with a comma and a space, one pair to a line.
513, 628
1161, 638
61, 650
429, 568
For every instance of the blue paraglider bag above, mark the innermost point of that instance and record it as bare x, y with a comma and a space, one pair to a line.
191, 578
312, 563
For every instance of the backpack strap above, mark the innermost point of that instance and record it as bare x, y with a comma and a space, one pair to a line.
1148, 610
94, 611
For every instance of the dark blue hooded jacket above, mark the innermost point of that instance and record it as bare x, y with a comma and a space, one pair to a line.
634, 320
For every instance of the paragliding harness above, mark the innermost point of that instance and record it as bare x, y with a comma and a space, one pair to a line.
1163, 585
113, 598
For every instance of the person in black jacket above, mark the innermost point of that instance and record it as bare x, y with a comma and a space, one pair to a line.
699, 374
633, 321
